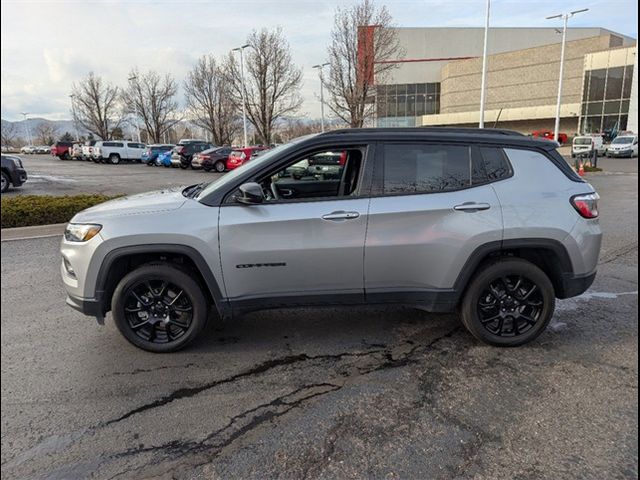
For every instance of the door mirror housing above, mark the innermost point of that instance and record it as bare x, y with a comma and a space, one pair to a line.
250, 194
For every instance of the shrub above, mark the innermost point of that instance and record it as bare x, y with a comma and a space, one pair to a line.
28, 210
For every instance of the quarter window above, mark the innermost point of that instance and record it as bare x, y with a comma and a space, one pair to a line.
495, 162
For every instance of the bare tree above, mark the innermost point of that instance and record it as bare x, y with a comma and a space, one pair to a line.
46, 133
153, 97
209, 98
272, 81
363, 47
96, 105
9, 134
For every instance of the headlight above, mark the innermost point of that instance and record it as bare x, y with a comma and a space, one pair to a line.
17, 162
81, 232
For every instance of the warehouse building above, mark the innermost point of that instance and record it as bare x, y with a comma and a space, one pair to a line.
437, 82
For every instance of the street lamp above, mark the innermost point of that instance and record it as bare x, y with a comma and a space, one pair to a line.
320, 67
565, 17
73, 114
483, 83
26, 126
244, 107
132, 79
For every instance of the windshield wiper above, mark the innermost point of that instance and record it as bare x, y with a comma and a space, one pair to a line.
193, 190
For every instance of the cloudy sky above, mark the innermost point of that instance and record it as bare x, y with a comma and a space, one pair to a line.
47, 45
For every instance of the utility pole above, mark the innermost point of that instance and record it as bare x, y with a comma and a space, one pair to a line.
133, 79
320, 67
26, 126
244, 107
565, 18
73, 114
483, 83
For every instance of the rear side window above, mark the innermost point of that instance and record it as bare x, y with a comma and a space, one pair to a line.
426, 168
496, 165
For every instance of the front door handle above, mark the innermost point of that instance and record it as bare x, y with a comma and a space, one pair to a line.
340, 215
472, 207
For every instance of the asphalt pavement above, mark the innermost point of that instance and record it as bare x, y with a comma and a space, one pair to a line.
391, 392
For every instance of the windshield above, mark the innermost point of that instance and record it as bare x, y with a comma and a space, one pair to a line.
253, 165
582, 141
622, 140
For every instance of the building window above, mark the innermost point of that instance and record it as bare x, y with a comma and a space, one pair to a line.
407, 100
605, 99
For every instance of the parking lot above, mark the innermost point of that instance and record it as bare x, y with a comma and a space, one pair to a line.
325, 393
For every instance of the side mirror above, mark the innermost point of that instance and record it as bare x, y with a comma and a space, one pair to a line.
250, 194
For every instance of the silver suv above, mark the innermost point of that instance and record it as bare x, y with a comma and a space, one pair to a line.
488, 222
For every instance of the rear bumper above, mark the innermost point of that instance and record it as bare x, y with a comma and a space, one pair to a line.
575, 285
87, 306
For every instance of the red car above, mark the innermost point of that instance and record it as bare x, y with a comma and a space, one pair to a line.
562, 137
239, 156
62, 150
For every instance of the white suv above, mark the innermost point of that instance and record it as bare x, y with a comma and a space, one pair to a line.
115, 151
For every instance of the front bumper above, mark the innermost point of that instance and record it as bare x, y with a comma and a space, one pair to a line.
620, 153
18, 177
87, 306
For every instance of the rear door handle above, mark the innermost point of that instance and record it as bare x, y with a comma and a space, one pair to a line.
340, 215
472, 207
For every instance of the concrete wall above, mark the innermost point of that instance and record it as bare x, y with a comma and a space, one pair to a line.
633, 104
423, 46
519, 79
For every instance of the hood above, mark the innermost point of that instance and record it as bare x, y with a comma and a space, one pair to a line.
140, 204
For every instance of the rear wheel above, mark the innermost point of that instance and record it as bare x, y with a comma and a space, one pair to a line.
5, 182
508, 303
159, 308
114, 159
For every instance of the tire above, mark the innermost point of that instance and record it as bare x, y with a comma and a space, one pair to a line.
207, 168
517, 320
184, 166
5, 183
220, 166
150, 164
114, 159
154, 334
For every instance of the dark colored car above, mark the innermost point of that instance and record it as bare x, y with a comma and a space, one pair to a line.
13, 172
212, 159
62, 150
183, 153
151, 153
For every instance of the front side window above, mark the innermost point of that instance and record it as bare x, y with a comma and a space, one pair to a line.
426, 168
328, 173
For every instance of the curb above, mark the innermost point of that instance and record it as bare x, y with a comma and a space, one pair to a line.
29, 233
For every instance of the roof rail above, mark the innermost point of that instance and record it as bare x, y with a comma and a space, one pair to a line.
472, 131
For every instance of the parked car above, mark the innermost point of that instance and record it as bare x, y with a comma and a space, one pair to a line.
150, 155
240, 156
76, 151
28, 149
87, 150
183, 153
584, 145
62, 150
448, 220
212, 159
164, 159
624, 145
547, 134
42, 149
13, 172
114, 151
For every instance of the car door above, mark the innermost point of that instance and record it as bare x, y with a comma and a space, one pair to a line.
433, 205
297, 250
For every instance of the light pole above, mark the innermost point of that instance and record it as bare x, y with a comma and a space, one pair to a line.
483, 83
320, 67
26, 125
73, 114
132, 79
565, 17
244, 107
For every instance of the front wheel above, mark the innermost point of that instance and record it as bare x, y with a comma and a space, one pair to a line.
159, 308
220, 166
5, 182
114, 159
509, 303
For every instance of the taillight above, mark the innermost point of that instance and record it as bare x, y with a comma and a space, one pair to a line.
586, 205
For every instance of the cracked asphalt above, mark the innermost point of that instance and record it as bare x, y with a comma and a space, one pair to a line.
382, 393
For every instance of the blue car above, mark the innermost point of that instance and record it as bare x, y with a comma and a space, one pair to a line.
150, 156
164, 159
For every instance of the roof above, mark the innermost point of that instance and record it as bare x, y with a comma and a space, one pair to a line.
467, 135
